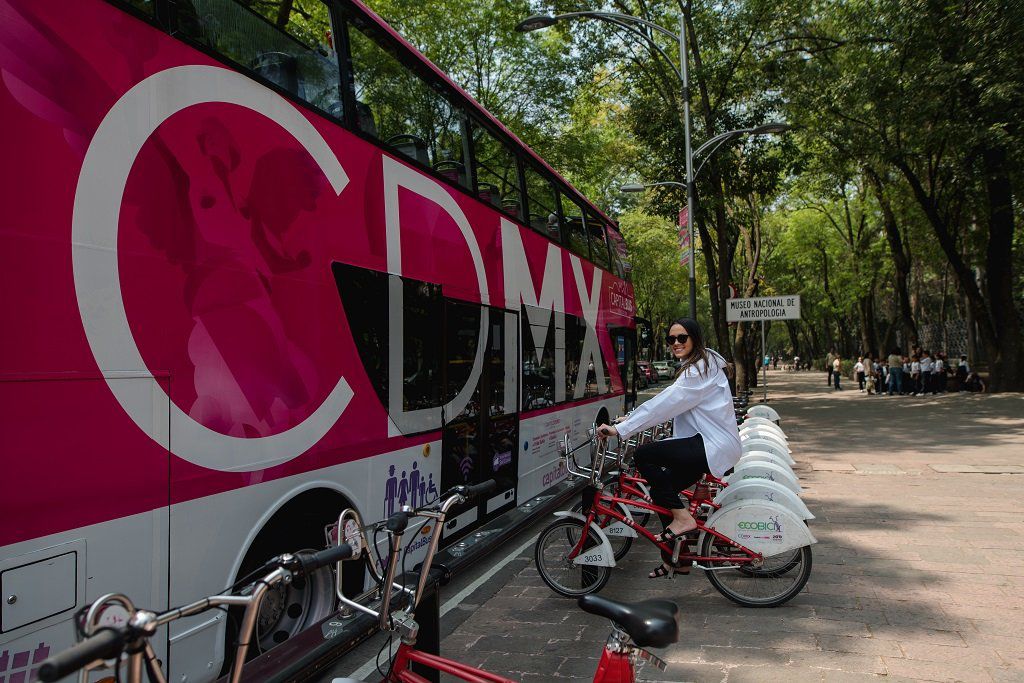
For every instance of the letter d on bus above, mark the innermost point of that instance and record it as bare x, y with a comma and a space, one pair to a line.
398, 175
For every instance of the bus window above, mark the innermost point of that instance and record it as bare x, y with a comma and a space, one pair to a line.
403, 110
462, 335
618, 252
598, 245
291, 47
542, 199
575, 233
145, 6
538, 385
497, 173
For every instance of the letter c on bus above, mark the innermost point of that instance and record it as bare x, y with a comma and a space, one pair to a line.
94, 224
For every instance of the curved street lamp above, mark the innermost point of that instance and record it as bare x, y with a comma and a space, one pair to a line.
636, 26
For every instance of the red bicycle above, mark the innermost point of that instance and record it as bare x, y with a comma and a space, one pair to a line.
635, 626
764, 561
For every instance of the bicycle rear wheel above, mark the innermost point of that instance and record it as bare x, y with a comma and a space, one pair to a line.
557, 570
775, 582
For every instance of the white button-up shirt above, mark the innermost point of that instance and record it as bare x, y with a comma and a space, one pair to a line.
698, 403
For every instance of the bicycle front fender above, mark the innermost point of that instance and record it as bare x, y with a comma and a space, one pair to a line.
600, 555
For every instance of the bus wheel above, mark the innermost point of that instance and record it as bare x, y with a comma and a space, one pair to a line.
287, 610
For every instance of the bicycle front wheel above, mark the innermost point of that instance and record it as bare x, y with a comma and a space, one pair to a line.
775, 582
557, 569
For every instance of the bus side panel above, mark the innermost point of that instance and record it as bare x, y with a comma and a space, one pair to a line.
541, 465
57, 455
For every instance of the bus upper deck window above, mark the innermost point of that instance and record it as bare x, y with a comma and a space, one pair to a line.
403, 110
575, 233
294, 50
598, 244
497, 173
542, 200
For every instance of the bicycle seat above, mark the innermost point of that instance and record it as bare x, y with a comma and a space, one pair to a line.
650, 623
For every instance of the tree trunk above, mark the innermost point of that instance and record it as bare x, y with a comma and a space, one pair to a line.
1007, 369
999, 329
900, 251
740, 353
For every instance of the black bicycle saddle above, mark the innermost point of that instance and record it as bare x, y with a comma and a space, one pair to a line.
650, 623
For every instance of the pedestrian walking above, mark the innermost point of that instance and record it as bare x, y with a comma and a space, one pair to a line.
828, 365
837, 366
895, 361
926, 372
858, 372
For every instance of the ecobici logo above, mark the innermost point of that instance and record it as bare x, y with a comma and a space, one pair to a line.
772, 524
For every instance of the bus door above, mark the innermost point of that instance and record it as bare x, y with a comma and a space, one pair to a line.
478, 441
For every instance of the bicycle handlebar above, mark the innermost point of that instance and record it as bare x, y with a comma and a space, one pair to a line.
105, 644
310, 562
480, 489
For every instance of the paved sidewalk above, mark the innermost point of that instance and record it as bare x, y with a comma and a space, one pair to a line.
918, 573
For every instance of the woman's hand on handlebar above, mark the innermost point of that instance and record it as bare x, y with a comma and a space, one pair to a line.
604, 431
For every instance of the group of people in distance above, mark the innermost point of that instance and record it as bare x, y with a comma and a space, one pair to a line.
919, 373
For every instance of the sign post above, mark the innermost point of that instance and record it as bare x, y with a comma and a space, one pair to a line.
782, 307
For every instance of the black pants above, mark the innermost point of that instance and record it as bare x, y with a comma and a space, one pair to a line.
670, 466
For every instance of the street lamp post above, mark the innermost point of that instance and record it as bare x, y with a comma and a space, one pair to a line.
630, 24
711, 146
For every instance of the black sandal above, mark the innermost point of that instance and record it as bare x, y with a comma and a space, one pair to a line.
667, 536
662, 570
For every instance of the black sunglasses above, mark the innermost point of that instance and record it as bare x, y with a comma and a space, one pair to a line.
672, 338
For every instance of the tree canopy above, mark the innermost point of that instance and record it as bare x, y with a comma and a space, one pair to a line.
891, 206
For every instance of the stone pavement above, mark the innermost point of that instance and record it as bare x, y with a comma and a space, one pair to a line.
917, 575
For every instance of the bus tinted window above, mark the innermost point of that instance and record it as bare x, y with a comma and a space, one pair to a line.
574, 231
422, 311
497, 173
598, 244
145, 5
291, 48
404, 111
618, 251
462, 331
542, 200
539, 357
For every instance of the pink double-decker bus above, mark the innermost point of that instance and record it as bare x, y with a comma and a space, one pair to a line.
262, 262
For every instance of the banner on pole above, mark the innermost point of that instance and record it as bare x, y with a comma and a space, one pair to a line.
783, 307
684, 236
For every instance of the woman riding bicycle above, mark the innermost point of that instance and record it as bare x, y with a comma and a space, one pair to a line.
704, 435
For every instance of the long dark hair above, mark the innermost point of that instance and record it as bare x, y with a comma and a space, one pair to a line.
700, 349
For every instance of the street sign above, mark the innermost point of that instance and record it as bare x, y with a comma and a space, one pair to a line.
782, 307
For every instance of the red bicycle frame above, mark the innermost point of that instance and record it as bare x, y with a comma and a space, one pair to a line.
601, 506
407, 655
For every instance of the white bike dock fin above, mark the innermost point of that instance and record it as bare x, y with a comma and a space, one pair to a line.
768, 447
761, 525
766, 470
762, 489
